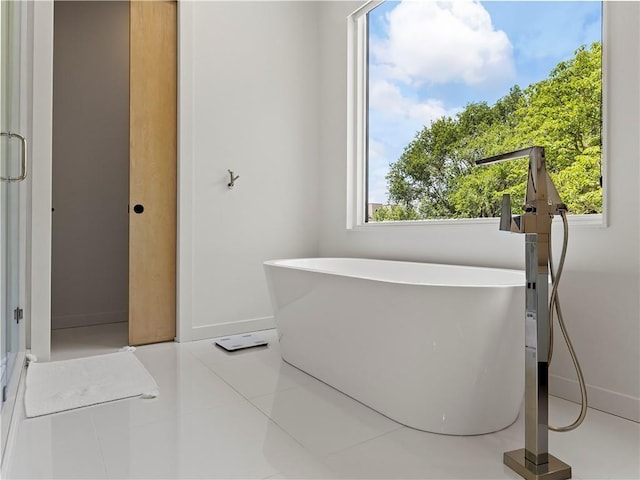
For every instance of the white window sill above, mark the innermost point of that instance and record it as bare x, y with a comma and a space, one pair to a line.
591, 221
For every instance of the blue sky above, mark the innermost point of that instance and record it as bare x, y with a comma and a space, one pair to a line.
429, 59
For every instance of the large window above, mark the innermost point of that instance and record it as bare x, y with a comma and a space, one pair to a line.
446, 83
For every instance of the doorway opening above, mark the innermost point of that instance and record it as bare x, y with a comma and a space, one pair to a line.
114, 175
90, 224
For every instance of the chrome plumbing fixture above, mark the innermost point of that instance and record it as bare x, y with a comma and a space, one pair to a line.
23, 157
232, 179
542, 202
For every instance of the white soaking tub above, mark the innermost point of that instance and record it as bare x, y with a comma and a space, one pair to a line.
435, 347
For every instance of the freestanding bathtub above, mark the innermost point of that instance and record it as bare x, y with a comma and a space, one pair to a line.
435, 347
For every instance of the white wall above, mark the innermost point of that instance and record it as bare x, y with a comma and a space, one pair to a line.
263, 92
249, 103
600, 287
90, 163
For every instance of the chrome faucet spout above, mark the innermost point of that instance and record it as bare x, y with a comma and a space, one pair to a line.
503, 157
542, 197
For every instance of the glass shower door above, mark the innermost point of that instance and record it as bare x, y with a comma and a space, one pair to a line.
13, 170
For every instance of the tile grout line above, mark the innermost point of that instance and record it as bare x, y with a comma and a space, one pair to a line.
268, 417
95, 432
322, 458
248, 400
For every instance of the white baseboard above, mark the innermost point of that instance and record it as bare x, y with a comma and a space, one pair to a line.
231, 328
602, 399
86, 319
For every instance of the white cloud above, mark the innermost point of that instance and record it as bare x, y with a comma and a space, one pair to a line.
378, 169
394, 121
387, 98
439, 42
376, 149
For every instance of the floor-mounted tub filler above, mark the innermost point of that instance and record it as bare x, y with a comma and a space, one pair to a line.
542, 202
434, 347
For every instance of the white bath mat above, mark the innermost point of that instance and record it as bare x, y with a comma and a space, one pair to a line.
67, 384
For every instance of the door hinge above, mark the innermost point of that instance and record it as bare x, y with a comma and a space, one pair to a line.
18, 314
4, 394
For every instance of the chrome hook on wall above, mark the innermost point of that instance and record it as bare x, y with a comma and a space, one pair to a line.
232, 179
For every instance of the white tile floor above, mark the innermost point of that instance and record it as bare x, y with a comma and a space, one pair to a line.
249, 415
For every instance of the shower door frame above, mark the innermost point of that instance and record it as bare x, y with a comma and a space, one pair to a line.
13, 198
15, 25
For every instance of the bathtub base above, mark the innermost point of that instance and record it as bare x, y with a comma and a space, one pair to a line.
437, 348
553, 470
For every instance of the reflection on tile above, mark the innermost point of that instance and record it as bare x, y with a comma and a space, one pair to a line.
80, 342
185, 386
234, 441
250, 415
63, 445
409, 453
323, 419
252, 372
160, 358
603, 447
291, 459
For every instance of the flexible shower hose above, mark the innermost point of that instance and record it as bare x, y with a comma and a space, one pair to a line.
554, 304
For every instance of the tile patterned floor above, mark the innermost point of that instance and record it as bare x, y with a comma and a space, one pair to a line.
250, 415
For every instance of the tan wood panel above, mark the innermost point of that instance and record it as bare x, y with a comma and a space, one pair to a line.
153, 147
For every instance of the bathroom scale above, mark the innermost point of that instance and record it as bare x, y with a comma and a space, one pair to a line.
241, 341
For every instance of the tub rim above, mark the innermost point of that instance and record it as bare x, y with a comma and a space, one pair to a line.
278, 263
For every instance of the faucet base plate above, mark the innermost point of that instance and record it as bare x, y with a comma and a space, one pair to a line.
554, 470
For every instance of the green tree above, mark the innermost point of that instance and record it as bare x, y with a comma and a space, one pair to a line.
435, 177
394, 213
426, 168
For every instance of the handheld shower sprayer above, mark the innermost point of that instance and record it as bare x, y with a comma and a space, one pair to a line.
542, 202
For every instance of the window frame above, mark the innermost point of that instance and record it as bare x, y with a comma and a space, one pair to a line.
357, 134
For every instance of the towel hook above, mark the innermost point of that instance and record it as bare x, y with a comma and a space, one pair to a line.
232, 179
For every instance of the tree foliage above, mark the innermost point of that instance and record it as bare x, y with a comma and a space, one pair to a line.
435, 177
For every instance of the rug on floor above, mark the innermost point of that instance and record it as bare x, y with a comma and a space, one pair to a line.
67, 384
